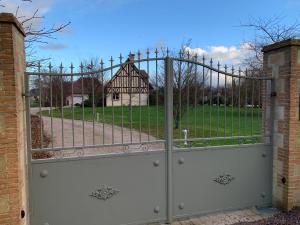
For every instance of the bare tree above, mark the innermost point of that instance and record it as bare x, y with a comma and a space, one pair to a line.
187, 80
34, 34
267, 31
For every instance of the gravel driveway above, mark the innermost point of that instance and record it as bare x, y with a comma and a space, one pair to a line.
103, 134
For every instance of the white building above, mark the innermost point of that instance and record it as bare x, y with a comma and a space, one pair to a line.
129, 86
77, 99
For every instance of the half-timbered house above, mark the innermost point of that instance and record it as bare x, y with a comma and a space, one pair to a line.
128, 86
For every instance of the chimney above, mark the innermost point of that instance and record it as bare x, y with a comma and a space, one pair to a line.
131, 58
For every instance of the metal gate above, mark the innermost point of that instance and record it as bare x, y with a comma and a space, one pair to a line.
145, 139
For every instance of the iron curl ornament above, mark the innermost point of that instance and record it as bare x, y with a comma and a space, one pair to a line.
104, 193
224, 179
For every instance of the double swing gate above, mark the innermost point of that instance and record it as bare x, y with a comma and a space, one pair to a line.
145, 140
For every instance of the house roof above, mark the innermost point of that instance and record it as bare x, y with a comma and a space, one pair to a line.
144, 75
77, 86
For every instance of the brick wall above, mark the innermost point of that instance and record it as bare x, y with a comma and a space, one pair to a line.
13, 197
282, 63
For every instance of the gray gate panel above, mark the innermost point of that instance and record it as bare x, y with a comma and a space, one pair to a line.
222, 178
65, 192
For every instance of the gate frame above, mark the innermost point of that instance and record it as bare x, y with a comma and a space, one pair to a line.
169, 134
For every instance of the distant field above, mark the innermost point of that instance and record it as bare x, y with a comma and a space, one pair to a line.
151, 120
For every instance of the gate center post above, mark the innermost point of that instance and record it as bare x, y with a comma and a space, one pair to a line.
169, 134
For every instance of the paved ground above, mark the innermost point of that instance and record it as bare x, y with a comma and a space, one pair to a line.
95, 134
228, 218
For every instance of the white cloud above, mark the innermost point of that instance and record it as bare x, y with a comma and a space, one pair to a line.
223, 54
101, 4
26, 9
54, 46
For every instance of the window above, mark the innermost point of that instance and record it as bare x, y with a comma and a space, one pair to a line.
116, 96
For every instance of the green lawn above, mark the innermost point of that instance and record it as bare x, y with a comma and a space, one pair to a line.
151, 120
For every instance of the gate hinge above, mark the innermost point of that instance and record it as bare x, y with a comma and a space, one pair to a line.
273, 94
27, 95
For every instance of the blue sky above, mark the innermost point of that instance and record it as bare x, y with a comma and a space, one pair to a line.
101, 28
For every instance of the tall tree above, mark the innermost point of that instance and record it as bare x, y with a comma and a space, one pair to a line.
36, 34
267, 31
186, 81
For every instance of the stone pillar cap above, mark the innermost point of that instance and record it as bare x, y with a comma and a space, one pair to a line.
281, 44
10, 18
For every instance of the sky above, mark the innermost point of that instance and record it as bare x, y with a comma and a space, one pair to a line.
104, 28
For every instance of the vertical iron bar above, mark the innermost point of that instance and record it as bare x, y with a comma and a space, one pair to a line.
93, 99
72, 94
51, 103
140, 89
195, 103
246, 103
259, 102
188, 75
239, 103
82, 103
225, 105
156, 81
179, 96
62, 105
218, 99
40, 106
203, 90
252, 106
103, 99
130, 70
148, 93
169, 134
210, 101
232, 100
121, 93
112, 101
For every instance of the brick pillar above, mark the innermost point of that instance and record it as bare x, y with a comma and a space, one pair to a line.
282, 62
12, 126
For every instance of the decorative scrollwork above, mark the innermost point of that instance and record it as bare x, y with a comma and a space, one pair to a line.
144, 147
104, 193
80, 152
224, 179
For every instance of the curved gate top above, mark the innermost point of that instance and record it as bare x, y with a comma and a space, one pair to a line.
146, 139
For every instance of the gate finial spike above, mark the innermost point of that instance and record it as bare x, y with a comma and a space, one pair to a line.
39, 66
203, 59
211, 62
50, 67
240, 70
232, 69
72, 67
111, 60
180, 53
61, 67
139, 54
225, 67
121, 57
148, 53
81, 67
92, 64
196, 57
168, 51
188, 54
156, 52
